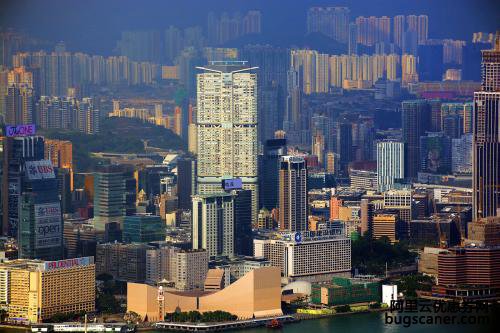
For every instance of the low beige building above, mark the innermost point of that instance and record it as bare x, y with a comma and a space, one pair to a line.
257, 294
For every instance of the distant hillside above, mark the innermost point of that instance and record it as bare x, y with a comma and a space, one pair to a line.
117, 135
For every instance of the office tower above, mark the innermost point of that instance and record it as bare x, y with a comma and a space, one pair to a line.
143, 228
293, 194
40, 228
422, 29
273, 64
15, 151
243, 240
435, 106
435, 153
330, 21
461, 154
416, 120
274, 149
363, 134
213, 224
390, 164
430, 63
409, 72
42, 282
64, 179
110, 196
270, 112
344, 145
462, 110
453, 126
399, 27
486, 137
19, 105
4, 83
186, 181
227, 132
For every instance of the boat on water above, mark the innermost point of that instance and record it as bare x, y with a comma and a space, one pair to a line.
79, 327
274, 324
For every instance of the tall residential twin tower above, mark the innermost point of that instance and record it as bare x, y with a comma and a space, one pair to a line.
227, 127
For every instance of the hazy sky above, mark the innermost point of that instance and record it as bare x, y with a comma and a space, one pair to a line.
94, 25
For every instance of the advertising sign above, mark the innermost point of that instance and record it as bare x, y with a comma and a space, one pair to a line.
232, 184
20, 130
41, 169
68, 263
48, 225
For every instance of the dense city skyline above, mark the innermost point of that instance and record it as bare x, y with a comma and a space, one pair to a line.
233, 164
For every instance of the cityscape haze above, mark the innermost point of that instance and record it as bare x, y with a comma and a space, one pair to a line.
249, 165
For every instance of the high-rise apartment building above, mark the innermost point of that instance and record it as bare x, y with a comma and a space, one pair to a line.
486, 137
416, 121
373, 30
390, 164
227, 128
213, 224
330, 21
398, 30
293, 194
313, 70
20, 102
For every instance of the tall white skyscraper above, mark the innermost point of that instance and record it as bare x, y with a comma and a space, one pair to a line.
390, 163
227, 137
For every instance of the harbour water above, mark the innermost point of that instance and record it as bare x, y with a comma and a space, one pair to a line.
363, 323
354, 323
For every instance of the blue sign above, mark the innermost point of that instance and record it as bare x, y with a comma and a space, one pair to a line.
298, 237
232, 184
